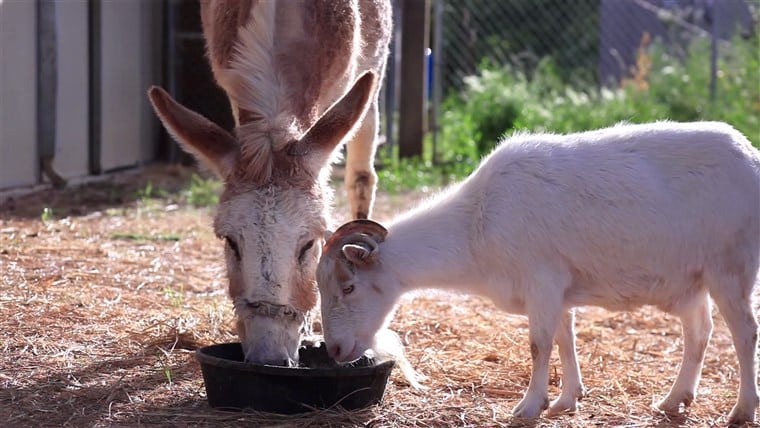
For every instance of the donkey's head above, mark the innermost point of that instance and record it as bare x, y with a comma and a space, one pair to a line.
273, 213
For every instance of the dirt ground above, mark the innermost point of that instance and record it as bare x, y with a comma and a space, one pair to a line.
105, 296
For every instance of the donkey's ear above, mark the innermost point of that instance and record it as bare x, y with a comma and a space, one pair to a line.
214, 147
319, 142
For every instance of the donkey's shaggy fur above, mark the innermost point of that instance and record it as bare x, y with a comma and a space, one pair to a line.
288, 69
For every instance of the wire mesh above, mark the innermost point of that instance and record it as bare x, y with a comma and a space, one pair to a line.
590, 41
587, 44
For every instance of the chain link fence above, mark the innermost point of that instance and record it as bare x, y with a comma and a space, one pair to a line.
590, 41
588, 44
473, 33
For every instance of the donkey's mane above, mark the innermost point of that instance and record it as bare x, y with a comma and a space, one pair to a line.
281, 64
265, 125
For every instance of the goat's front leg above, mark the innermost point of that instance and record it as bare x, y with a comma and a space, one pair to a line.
572, 385
543, 318
361, 180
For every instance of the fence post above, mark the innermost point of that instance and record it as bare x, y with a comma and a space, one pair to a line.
437, 82
415, 21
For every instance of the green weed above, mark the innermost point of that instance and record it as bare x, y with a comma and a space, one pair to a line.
175, 296
203, 192
47, 214
142, 237
146, 192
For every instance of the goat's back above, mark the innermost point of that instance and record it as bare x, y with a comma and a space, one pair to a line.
633, 212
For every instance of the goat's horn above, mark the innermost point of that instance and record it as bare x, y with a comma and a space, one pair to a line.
360, 239
363, 226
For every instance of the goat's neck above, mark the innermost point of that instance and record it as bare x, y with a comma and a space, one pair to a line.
430, 251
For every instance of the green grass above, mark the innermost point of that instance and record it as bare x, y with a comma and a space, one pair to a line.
175, 296
202, 192
130, 236
47, 215
146, 192
198, 192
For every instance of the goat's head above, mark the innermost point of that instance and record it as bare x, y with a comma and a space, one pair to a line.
272, 223
356, 302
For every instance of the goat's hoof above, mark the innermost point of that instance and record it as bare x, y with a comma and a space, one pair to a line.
530, 407
672, 403
561, 405
740, 416
567, 402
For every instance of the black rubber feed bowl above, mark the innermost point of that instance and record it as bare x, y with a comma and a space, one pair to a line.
319, 383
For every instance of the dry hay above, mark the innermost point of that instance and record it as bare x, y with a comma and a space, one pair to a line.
102, 310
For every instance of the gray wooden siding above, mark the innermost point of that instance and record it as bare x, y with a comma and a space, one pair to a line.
104, 92
18, 82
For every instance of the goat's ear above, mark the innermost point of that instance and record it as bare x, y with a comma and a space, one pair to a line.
360, 255
214, 147
319, 142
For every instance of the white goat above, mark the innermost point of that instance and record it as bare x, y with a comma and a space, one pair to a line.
662, 214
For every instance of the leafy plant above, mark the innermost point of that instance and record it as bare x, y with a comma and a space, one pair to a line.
501, 100
143, 237
47, 214
175, 296
146, 192
163, 356
203, 192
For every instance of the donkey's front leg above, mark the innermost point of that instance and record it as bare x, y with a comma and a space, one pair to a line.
361, 180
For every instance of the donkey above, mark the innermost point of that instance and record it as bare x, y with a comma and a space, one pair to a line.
287, 68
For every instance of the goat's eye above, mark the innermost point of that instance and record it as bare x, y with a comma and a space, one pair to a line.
348, 289
304, 250
233, 246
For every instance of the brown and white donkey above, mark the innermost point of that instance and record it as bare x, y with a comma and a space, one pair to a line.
302, 76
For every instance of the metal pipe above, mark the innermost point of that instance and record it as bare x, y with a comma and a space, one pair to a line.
95, 27
437, 83
391, 82
714, 38
171, 58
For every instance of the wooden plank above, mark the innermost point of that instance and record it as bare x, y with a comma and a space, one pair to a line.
18, 103
72, 122
120, 90
130, 61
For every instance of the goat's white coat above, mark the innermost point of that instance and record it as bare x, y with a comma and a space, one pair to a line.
660, 214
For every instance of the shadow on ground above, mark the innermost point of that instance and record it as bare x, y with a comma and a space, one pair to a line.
119, 190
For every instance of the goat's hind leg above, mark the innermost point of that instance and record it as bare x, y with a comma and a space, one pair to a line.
361, 179
696, 324
572, 385
734, 300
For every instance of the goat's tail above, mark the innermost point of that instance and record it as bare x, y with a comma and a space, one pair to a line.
388, 346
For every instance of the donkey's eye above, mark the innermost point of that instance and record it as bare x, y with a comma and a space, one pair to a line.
304, 250
348, 289
233, 246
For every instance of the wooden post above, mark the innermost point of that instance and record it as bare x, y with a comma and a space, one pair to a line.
415, 22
